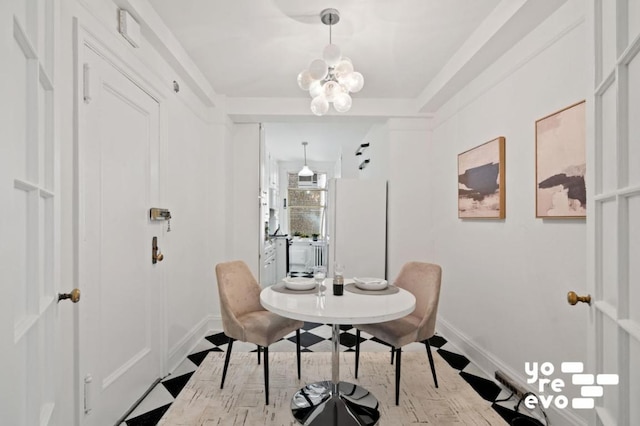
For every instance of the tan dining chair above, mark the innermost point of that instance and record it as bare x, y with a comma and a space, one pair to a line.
423, 281
244, 318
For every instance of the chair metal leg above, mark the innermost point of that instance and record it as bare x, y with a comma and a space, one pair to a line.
393, 351
259, 350
226, 361
266, 375
433, 367
398, 366
298, 350
357, 351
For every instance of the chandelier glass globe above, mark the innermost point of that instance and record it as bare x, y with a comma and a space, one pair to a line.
315, 88
342, 102
331, 55
319, 105
305, 80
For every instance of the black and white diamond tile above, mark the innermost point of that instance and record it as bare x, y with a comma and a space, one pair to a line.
316, 337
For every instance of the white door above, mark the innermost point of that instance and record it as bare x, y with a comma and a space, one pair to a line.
614, 208
29, 222
120, 321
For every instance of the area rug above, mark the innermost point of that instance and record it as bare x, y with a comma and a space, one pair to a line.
241, 402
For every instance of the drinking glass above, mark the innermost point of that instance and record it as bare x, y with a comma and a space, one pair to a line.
319, 274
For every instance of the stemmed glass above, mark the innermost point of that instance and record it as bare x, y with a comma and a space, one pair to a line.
319, 274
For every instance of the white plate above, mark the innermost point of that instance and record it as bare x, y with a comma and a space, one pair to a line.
370, 283
299, 283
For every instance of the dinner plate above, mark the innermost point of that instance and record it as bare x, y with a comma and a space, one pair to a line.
367, 283
298, 283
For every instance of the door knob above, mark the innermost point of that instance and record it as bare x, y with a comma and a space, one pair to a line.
573, 298
74, 296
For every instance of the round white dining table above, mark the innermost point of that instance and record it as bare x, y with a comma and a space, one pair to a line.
334, 402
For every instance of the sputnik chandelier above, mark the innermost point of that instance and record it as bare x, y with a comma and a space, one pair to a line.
331, 79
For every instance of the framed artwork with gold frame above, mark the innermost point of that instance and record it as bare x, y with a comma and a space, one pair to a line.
481, 181
561, 164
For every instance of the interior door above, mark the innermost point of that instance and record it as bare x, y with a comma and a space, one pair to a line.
614, 208
120, 321
29, 224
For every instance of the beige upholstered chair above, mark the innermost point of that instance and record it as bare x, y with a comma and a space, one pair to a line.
244, 318
423, 281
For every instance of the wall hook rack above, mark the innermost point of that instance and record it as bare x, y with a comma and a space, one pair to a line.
361, 148
364, 164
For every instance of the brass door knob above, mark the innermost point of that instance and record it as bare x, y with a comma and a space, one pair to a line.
573, 298
159, 257
74, 296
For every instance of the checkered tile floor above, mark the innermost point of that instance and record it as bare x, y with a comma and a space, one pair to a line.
317, 338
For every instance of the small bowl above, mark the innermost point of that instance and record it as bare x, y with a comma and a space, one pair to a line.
370, 283
299, 283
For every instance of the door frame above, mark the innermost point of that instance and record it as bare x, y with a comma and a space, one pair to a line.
91, 33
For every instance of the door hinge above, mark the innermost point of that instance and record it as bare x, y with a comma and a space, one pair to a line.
86, 87
87, 393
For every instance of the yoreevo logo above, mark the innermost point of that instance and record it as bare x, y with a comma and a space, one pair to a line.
550, 388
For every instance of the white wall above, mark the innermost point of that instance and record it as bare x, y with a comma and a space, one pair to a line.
409, 200
377, 152
398, 150
195, 175
503, 299
244, 174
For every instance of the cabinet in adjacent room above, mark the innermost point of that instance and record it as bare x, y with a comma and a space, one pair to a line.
268, 276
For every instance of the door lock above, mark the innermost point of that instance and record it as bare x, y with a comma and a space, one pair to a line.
156, 254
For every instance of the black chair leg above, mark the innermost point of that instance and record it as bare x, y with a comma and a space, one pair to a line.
398, 366
357, 351
433, 367
298, 350
393, 351
226, 362
259, 350
266, 375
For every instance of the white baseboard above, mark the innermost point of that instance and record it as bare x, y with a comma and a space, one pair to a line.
185, 346
488, 363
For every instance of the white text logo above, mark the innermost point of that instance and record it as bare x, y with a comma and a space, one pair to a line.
550, 388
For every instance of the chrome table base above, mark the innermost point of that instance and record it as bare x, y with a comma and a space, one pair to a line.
335, 402
318, 404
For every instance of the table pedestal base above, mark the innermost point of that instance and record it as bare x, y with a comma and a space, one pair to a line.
317, 404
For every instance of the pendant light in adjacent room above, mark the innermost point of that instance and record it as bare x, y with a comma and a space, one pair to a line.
306, 171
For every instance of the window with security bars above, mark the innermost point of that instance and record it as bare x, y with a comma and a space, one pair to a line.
307, 207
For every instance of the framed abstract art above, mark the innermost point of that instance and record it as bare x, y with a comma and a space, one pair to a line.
561, 164
481, 182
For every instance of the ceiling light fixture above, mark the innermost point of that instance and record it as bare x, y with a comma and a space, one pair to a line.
329, 80
306, 171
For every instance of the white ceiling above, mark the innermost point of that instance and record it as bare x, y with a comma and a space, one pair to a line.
256, 48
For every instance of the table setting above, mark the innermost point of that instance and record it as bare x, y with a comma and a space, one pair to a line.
351, 301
